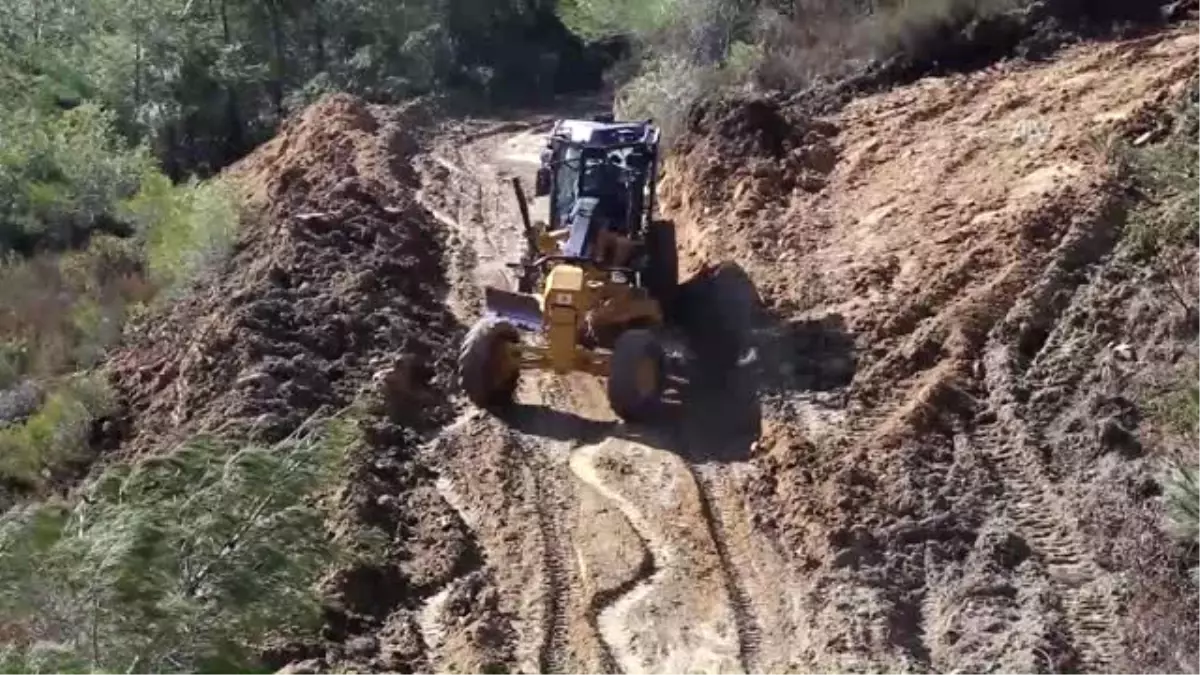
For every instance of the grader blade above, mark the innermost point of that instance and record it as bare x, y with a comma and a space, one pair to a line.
517, 308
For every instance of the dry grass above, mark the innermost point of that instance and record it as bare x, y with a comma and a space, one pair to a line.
59, 312
1160, 539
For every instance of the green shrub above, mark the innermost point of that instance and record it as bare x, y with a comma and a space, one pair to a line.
600, 19
57, 433
1175, 416
188, 229
182, 563
1181, 492
62, 175
14, 361
668, 86
1164, 180
1166, 177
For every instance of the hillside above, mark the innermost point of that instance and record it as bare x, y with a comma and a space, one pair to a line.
928, 365
934, 453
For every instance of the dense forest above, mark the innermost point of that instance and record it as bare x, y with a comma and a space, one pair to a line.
191, 85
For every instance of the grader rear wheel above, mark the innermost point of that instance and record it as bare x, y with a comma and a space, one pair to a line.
636, 376
487, 367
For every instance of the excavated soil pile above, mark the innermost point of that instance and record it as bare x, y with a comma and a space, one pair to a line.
334, 289
973, 494
335, 273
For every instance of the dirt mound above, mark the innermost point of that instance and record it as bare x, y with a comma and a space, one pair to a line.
335, 289
334, 274
963, 235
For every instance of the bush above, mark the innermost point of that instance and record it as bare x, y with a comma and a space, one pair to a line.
57, 433
187, 229
1167, 178
914, 26
1162, 180
62, 176
59, 312
1177, 415
183, 563
1183, 502
604, 19
664, 91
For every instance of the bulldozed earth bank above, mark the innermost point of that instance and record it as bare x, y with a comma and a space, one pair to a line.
912, 389
977, 495
333, 296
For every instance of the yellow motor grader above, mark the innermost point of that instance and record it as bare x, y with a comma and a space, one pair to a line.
596, 279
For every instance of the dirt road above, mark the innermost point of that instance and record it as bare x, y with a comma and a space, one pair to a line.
875, 489
614, 550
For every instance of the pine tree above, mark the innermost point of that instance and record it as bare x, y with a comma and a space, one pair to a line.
180, 563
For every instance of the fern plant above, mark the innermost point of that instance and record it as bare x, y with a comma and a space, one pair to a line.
182, 563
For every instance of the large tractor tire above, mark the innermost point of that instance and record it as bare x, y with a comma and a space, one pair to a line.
487, 367
637, 375
662, 273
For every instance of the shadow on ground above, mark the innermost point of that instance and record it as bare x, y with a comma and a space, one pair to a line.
728, 352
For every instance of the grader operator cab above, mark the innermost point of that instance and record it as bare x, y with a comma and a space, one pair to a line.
597, 278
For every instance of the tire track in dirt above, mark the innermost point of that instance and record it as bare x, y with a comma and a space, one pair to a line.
432, 625
477, 246
471, 183
552, 657
749, 634
546, 390
463, 256
429, 616
1089, 611
610, 619
1018, 446
581, 394
607, 598
680, 618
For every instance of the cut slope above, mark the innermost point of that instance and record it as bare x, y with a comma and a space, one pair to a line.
960, 231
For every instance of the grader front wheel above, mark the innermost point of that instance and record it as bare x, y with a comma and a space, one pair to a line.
487, 366
637, 374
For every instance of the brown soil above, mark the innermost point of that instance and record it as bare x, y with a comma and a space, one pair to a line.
907, 440
964, 234
335, 290
925, 291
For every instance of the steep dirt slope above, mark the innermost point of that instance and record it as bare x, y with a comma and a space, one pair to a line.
962, 505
